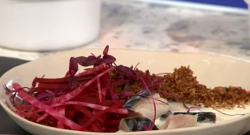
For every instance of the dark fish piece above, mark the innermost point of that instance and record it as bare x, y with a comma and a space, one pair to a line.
202, 117
135, 99
144, 107
136, 124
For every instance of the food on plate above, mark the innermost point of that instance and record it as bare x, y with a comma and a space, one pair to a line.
180, 121
141, 104
187, 89
107, 97
160, 122
202, 117
136, 124
188, 119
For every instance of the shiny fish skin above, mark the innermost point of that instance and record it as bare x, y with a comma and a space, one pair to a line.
135, 124
143, 105
202, 117
135, 99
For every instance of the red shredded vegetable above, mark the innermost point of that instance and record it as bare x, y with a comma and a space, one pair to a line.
80, 100
49, 110
84, 100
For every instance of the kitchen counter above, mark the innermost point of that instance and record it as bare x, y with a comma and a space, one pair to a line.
157, 27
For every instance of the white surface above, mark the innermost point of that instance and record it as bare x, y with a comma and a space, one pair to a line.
247, 1
209, 69
48, 24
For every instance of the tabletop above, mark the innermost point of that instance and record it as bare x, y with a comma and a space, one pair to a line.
162, 27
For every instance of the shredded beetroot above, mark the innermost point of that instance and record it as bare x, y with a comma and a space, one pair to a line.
91, 100
90, 105
102, 112
25, 107
61, 110
62, 80
80, 89
42, 118
49, 110
99, 89
84, 100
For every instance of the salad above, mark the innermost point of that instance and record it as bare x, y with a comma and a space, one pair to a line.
107, 97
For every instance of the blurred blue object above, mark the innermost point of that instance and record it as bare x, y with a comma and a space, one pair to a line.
229, 3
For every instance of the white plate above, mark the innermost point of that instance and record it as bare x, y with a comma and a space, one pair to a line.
210, 70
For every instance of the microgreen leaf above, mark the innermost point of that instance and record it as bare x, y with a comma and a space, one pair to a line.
109, 59
106, 50
124, 70
73, 66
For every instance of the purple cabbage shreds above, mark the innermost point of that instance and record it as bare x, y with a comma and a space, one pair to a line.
106, 50
125, 70
44, 97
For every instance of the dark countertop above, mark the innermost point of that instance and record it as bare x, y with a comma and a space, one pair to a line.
7, 125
